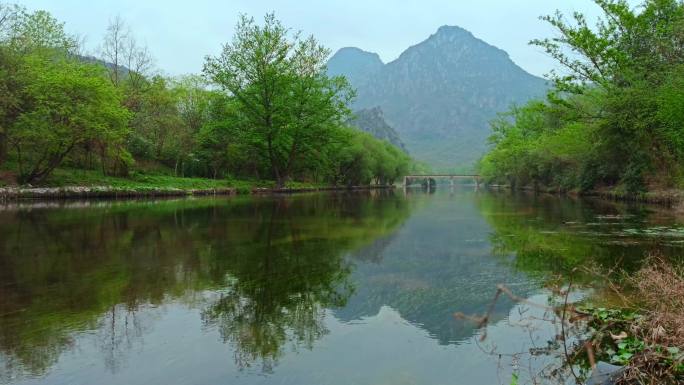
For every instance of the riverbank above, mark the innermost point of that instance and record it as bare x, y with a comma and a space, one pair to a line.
666, 197
670, 197
67, 184
644, 336
99, 192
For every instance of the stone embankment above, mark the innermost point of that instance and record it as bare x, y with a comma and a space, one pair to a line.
108, 192
11, 193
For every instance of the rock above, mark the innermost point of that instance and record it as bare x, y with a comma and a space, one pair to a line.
373, 122
605, 374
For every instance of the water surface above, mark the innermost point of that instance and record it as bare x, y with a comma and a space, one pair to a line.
340, 288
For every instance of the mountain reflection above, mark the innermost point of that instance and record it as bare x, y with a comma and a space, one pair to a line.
439, 262
272, 264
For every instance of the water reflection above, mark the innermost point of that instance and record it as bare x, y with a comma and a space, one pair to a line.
275, 263
439, 262
279, 285
549, 235
320, 288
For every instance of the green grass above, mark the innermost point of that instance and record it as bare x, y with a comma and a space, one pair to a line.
66, 177
136, 180
70, 177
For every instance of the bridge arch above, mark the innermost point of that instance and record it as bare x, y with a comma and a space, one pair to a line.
450, 177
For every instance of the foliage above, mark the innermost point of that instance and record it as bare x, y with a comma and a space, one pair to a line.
55, 103
647, 336
265, 109
286, 104
614, 116
71, 104
514, 379
361, 159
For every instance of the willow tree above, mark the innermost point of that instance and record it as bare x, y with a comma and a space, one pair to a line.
286, 102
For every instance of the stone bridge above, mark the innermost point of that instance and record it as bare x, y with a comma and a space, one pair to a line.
431, 178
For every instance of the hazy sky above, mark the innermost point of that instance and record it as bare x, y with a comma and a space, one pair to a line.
180, 33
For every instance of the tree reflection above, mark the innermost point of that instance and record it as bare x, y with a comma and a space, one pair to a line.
278, 292
545, 235
275, 264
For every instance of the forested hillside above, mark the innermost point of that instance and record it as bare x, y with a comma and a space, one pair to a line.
616, 116
263, 109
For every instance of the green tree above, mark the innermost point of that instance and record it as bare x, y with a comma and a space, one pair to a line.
612, 117
70, 103
21, 34
219, 147
156, 119
356, 158
628, 55
8, 84
286, 102
193, 102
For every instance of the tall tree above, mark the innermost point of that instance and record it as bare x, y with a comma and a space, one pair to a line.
114, 47
283, 95
128, 62
192, 103
156, 119
318, 104
23, 34
9, 87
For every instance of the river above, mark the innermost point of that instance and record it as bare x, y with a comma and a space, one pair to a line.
329, 288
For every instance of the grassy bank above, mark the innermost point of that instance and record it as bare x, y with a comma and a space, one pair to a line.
72, 183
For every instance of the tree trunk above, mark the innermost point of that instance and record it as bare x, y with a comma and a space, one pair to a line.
103, 160
280, 183
53, 161
290, 159
280, 179
3, 147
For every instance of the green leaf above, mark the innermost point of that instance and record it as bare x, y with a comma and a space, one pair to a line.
514, 379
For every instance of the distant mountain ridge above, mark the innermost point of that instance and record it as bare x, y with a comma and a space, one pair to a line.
373, 122
440, 94
356, 64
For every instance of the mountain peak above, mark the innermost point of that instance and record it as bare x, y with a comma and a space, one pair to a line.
455, 44
356, 64
439, 95
357, 56
451, 30
455, 35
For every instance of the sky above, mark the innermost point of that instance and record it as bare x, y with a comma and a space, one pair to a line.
180, 33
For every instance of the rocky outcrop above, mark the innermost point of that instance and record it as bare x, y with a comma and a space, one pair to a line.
372, 121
